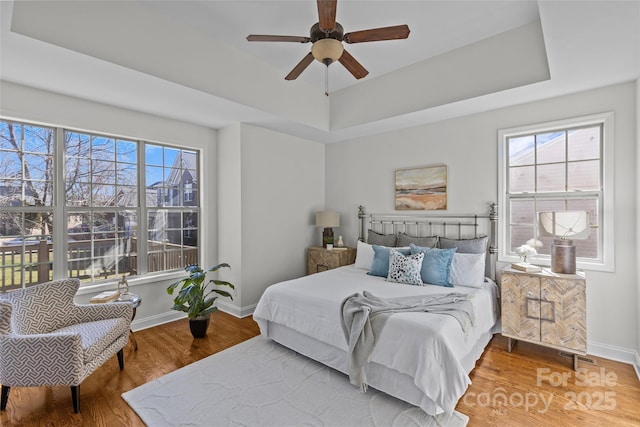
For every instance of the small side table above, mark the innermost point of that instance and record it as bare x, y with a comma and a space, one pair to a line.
322, 259
135, 302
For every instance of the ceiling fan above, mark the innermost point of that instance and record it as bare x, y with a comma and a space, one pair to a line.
327, 36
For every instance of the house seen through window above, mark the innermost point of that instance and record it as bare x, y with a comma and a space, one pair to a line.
554, 169
115, 206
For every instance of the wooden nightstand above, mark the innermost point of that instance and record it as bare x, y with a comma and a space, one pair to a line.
321, 259
545, 308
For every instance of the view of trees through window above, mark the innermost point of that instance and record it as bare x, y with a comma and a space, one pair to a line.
108, 193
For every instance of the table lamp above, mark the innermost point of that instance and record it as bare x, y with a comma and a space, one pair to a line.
327, 219
564, 226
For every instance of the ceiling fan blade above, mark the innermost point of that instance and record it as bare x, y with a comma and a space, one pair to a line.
298, 69
268, 38
353, 66
327, 14
376, 34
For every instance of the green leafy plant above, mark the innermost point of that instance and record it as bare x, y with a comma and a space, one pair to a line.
194, 297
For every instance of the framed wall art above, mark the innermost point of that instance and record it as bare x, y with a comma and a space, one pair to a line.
421, 188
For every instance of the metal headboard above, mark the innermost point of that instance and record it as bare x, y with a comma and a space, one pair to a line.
452, 226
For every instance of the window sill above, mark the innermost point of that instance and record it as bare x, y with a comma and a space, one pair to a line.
132, 280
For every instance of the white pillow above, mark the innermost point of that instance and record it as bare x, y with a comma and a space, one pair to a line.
467, 270
364, 256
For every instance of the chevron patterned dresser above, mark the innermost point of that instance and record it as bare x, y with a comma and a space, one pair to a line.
545, 308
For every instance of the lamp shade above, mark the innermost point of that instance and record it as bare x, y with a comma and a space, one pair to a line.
324, 49
327, 219
564, 224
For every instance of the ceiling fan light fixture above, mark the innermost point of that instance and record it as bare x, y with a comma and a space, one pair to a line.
327, 50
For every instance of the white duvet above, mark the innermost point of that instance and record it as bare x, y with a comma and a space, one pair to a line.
428, 347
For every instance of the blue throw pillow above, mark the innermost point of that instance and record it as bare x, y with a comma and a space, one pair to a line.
380, 264
436, 265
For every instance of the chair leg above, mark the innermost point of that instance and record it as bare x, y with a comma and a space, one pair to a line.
5, 397
121, 358
75, 396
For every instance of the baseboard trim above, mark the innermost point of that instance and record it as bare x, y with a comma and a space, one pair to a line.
158, 319
236, 311
612, 352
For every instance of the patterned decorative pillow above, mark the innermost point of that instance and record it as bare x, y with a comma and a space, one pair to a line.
405, 268
380, 264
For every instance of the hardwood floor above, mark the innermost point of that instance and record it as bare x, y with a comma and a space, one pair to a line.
605, 394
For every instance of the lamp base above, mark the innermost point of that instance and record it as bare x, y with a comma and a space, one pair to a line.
327, 237
563, 256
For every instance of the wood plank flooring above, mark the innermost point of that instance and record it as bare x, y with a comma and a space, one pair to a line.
593, 397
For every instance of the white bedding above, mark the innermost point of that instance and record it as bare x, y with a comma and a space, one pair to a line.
427, 347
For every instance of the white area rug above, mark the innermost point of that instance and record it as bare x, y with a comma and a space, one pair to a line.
261, 383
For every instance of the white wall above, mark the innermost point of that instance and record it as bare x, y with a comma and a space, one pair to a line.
637, 355
25, 103
270, 186
361, 171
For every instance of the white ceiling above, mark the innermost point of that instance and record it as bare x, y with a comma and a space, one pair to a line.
198, 63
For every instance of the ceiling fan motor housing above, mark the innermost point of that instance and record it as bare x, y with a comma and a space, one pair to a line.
318, 33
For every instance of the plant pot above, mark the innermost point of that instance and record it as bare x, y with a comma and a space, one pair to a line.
199, 325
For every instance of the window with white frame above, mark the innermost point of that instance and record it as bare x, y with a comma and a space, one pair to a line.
559, 166
101, 201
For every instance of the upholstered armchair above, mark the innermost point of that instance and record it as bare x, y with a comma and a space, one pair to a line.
46, 339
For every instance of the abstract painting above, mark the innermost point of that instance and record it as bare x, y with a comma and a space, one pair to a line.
421, 188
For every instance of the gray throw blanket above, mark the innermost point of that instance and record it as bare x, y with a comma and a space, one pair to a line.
364, 315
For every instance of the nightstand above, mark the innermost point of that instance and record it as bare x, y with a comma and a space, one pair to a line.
545, 308
321, 259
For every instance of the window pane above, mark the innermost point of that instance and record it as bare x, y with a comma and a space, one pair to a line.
190, 230
26, 248
37, 166
103, 172
26, 171
38, 139
522, 212
584, 175
127, 174
103, 195
520, 235
38, 193
10, 136
153, 155
153, 176
521, 179
521, 150
551, 177
127, 196
78, 169
171, 157
10, 164
127, 151
584, 143
103, 148
589, 247
77, 144
551, 147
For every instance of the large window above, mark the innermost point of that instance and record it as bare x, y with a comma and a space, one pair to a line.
111, 206
558, 166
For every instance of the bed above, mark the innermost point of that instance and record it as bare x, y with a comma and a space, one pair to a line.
422, 358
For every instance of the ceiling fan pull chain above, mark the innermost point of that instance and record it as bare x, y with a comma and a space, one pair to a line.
326, 80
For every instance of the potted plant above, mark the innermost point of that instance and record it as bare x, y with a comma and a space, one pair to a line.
195, 299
